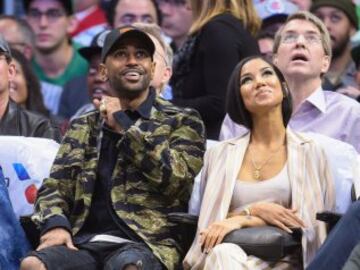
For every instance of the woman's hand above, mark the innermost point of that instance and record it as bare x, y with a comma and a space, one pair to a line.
216, 232
276, 214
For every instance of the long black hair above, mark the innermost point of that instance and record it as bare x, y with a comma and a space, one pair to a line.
34, 101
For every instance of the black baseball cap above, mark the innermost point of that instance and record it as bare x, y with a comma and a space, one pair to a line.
120, 33
4, 46
95, 46
67, 4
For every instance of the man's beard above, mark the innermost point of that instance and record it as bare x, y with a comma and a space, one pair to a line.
340, 47
122, 90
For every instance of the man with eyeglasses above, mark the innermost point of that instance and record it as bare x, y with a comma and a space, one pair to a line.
176, 22
302, 51
19, 34
127, 12
119, 172
56, 60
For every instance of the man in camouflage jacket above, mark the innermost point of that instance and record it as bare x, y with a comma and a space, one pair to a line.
119, 172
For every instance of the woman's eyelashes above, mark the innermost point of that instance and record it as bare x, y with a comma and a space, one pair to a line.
265, 73
245, 80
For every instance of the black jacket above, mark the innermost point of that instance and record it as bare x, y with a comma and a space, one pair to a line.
202, 82
19, 122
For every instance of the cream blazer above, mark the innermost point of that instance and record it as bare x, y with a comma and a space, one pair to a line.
312, 189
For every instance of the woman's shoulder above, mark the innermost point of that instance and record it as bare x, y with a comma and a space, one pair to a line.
225, 17
226, 27
220, 147
224, 21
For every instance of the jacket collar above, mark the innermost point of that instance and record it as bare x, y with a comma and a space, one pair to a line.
291, 138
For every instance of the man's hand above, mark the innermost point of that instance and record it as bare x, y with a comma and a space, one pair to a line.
107, 106
276, 214
56, 237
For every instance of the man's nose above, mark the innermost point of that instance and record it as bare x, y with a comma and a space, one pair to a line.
131, 59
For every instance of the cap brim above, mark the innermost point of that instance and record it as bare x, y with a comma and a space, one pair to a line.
133, 33
88, 52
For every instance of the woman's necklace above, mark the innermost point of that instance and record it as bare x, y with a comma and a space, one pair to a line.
257, 168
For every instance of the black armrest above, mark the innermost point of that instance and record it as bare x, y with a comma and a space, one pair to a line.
31, 231
331, 218
353, 194
183, 218
185, 229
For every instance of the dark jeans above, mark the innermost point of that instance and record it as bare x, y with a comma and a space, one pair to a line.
353, 263
342, 239
13, 242
99, 255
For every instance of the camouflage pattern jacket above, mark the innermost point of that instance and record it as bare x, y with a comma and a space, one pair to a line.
153, 176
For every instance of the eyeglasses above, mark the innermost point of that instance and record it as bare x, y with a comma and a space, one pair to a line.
52, 15
177, 3
310, 38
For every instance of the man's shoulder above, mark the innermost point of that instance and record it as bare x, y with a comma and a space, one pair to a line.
337, 99
33, 118
88, 117
172, 110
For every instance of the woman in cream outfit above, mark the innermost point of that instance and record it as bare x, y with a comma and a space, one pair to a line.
271, 175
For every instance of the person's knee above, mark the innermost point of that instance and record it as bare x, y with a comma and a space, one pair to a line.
32, 263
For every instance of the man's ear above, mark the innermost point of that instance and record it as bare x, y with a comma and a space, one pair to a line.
28, 52
72, 24
326, 61
352, 30
102, 70
11, 71
275, 58
153, 66
167, 75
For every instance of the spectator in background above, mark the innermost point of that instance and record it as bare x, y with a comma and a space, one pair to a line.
56, 60
302, 4
126, 12
176, 21
355, 91
302, 51
341, 20
90, 20
266, 44
19, 34
163, 58
25, 87
97, 88
14, 120
221, 35
274, 13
